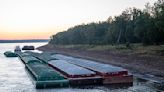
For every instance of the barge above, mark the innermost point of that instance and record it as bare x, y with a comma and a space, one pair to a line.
28, 59
22, 54
43, 75
28, 48
110, 74
72, 71
45, 57
75, 74
10, 54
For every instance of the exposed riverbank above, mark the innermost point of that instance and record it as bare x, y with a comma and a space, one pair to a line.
143, 60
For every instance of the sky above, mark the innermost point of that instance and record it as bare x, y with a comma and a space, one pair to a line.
39, 19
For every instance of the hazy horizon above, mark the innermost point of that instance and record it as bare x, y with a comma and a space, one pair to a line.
39, 19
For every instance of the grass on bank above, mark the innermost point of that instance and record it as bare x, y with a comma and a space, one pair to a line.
134, 48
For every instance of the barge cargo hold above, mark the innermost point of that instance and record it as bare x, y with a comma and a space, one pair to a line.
75, 74
111, 74
28, 59
43, 75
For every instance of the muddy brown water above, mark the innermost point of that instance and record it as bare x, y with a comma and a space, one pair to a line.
14, 78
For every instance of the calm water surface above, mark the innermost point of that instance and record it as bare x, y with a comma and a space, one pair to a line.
14, 78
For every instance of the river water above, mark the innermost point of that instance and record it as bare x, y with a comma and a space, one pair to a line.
14, 77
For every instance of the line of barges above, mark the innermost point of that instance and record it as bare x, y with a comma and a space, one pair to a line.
72, 71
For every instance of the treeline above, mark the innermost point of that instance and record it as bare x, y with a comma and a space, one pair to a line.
132, 26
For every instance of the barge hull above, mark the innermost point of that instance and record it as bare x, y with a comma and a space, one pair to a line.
51, 84
118, 79
85, 81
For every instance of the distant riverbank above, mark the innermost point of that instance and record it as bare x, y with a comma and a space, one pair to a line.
24, 41
139, 59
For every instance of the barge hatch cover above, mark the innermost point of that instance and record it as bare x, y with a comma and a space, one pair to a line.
99, 67
70, 69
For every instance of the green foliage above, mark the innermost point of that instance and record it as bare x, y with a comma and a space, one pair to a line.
132, 26
92, 33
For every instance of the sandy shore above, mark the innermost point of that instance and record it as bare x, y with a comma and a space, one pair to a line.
136, 63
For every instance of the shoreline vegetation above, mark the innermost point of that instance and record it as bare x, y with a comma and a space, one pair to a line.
139, 59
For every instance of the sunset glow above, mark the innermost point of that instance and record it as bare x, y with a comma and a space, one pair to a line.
39, 19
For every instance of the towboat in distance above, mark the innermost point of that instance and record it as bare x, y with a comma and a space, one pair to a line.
17, 49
